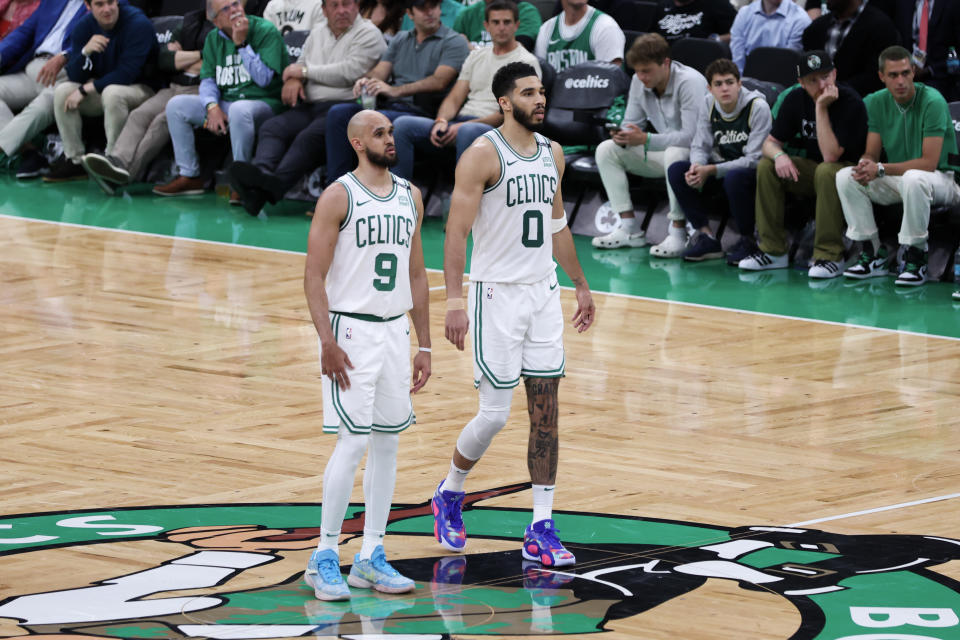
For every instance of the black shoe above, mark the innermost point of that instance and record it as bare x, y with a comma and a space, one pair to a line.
63, 170
106, 168
32, 165
247, 174
744, 248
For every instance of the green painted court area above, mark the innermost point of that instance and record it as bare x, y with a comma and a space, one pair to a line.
874, 303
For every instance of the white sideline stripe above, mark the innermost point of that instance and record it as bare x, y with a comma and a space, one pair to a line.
695, 305
891, 507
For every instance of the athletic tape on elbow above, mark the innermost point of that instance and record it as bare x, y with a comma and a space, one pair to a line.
490, 419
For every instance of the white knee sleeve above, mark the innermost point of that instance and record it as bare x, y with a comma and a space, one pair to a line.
338, 477
379, 480
492, 415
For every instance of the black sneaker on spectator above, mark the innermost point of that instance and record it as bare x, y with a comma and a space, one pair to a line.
32, 165
64, 169
914, 271
107, 168
869, 265
702, 247
743, 248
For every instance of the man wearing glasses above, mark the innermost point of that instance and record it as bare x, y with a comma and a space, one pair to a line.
240, 82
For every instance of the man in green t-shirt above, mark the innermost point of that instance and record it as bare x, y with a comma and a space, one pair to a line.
470, 21
911, 123
240, 82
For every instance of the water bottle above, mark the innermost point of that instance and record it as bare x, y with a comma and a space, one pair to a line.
366, 100
953, 62
956, 274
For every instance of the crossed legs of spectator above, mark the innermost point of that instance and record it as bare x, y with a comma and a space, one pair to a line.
32, 102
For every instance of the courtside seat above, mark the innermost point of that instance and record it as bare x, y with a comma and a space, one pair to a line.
698, 52
774, 64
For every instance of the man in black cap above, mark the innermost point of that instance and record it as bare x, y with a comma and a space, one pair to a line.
832, 124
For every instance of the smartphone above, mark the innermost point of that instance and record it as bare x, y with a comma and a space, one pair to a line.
611, 127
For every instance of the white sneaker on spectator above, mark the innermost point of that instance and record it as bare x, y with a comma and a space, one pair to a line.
673, 245
824, 269
761, 261
619, 237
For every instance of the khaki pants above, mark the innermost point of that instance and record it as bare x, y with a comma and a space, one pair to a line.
146, 133
615, 162
817, 180
20, 92
114, 104
917, 190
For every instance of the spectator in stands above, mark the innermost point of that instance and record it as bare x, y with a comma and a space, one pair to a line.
911, 123
386, 14
114, 50
14, 13
853, 33
767, 23
470, 109
449, 10
579, 34
145, 133
337, 52
732, 126
832, 123
294, 15
470, 21
423, 63
665, 97
814, 8
678, 19
32, 59
240, 82
929, 28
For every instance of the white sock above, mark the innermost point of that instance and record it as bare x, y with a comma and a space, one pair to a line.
875, 241
677, 231
338, 485
630, 225
371, 540
455, 478
378, 484
542, 501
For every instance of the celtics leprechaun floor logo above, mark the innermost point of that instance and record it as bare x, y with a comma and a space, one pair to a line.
235, 571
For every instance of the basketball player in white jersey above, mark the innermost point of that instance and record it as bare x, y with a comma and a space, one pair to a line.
364, 272
508, 191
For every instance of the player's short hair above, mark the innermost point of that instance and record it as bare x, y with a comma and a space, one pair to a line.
502, 5
650, 47
896, 52
721, 67
505, 79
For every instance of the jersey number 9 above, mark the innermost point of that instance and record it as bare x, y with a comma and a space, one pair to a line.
386, 267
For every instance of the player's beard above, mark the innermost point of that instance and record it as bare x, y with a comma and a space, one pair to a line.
526, 120
382, 159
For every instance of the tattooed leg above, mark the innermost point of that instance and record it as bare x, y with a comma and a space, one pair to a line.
542, 449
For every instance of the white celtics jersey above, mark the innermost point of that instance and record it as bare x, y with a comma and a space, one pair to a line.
370, 272
512, 238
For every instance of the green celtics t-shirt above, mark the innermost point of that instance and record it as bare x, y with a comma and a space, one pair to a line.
469, 22
903, 128
562, 53
222, 62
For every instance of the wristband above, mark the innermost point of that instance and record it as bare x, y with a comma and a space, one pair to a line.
210, 106
455, 304
778, 154
425, 349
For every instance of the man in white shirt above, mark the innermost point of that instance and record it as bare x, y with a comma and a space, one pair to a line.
579, 34
469, 110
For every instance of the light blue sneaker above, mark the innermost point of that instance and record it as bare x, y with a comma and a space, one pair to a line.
376, 573
323, 574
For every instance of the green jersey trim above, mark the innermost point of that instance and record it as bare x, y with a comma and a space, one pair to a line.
366, 317
478, 342
346, 220
385, 198
503, 166
517, 153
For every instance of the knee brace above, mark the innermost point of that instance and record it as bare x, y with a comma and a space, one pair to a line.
490, 419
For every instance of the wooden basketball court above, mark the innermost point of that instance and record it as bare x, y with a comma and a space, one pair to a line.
141, 371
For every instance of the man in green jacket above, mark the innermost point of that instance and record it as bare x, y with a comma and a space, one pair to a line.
240, 82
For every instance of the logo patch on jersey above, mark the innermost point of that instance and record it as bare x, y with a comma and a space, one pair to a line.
547, 162
404, 201
489, 293
349, 333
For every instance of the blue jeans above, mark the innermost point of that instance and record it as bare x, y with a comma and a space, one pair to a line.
340, 155
186, 112
740, 186
413, 132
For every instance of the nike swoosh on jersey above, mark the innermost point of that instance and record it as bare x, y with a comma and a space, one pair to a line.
554, 286
360, 204
553, 42
510, 164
